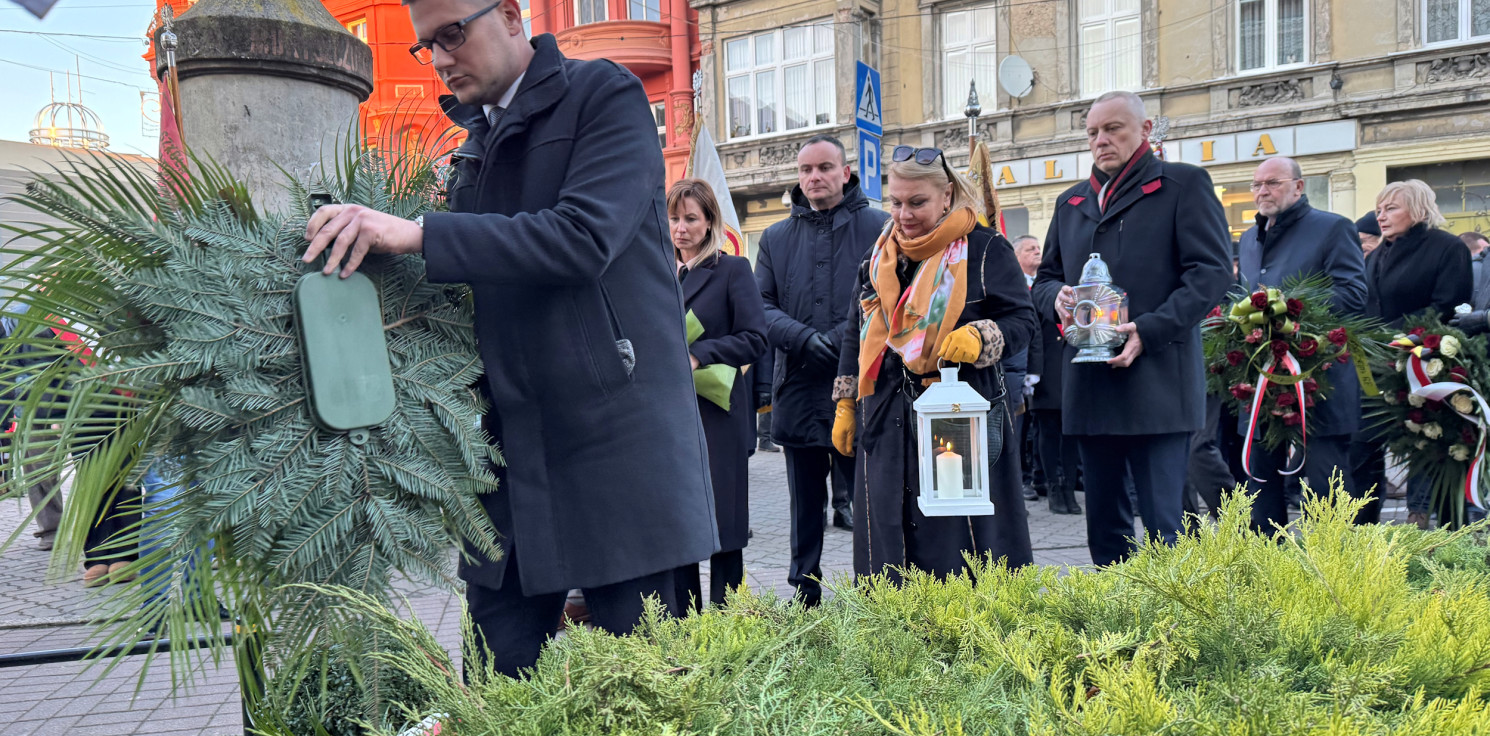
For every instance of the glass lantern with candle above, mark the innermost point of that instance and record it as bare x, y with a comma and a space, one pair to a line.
952, 443
1100, 308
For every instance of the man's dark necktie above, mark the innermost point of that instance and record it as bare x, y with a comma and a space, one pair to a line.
494, 116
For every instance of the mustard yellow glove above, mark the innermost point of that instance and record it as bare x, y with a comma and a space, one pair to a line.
962, 345
843, 427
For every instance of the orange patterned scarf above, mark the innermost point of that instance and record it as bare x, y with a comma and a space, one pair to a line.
914, 321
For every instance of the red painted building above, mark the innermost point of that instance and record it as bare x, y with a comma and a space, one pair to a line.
656, 39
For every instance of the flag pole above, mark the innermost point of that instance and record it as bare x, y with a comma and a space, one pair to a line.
698, 121
168, 41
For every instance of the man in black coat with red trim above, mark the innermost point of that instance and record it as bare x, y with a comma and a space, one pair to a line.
1163, 234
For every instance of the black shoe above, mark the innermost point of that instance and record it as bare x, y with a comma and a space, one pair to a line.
1030, 494
1063, 502
766, 445
843, 520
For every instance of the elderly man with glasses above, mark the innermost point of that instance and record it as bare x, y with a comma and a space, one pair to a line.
557, 222
1292, 239
1162, 232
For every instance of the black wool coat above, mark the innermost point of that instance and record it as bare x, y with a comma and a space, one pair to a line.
807, 266
1165, 240
558, 224
889, 528
1303, 241
724, 297
1423, 269
1051, 367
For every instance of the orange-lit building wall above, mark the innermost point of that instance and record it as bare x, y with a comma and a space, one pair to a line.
660, 46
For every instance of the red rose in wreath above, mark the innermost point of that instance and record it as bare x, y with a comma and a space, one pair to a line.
1307, 347
1310, 385
1280, 348
1295, 308
1243, 391
1291, 419
1287, 398
1260, 300
1417, 331
1235, 357
1432, 341
1338, 336
1458, 373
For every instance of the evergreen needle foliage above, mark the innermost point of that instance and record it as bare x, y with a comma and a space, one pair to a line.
183, 291
1325, 628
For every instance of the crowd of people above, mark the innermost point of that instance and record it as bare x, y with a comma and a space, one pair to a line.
623, 475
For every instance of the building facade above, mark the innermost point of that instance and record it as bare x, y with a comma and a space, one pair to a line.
1361, 92
656, 39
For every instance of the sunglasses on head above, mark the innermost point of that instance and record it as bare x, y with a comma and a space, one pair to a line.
923, 156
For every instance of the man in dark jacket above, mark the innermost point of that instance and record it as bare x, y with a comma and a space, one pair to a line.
1137, 412
1292, 239
557, 222
807, 266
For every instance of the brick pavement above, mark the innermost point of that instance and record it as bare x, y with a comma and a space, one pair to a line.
38, 613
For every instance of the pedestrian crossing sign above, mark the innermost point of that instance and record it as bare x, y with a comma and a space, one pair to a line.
867, 108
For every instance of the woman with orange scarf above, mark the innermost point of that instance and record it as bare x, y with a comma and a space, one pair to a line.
937, 287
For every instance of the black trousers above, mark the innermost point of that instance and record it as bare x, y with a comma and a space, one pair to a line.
726, 571
807, 471
1208, 475
515, 626
1368, 473
120, 516
1325, 455
1032, 471
1157, 462
1058, 455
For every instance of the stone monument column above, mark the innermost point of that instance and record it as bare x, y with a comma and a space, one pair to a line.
265, 85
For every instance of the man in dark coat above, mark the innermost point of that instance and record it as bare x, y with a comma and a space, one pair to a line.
557, 222
1292, 239
807, 266
1137, 412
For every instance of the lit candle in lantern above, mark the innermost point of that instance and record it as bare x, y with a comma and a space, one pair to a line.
949, 473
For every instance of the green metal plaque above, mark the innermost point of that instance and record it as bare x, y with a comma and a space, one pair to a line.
347, 374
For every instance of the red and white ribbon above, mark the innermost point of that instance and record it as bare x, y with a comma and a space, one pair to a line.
1418, 381
1290, 364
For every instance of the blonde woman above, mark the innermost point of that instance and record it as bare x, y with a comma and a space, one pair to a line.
1417, 268
937, 287
721, 292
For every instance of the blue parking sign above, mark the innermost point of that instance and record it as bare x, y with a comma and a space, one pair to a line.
869, 165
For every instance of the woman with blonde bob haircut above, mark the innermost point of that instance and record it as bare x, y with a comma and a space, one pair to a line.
938, 288
721, 292
1417, 269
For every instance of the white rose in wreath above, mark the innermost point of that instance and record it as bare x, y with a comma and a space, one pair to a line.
1462, 403
1416, 401
1459, 452
1432, 431
1420, 444
1389, 397
1449, 346
1434, 367
1401, 365
1413, 427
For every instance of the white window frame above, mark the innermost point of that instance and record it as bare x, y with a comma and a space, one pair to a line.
1465, 6
649, 8
1090, 89
816, 58
604, 11
659, 115
1270, 39
955, 101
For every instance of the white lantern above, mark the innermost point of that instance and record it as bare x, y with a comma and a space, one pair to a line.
952, 437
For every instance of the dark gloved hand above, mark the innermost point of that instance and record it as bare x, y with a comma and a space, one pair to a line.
762, 402
818, 353
1473, 323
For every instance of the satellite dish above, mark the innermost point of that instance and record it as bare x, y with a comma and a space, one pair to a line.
1016, 76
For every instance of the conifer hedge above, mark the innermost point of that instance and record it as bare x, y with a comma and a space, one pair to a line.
1327, 628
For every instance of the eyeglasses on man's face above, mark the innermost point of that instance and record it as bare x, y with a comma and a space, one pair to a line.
1270, 184
449, 37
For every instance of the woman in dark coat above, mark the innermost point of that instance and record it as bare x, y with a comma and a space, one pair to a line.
721, 292
1418, 268
933, 260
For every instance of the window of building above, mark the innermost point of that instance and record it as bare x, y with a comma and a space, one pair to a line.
1271, 34
659, 114
1462, 189
1241, 211
968, 54
358, 28
780, 81
1451, 21
527, 8
646, 10
1109, 46
869, 31
1017, 222
589, 11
